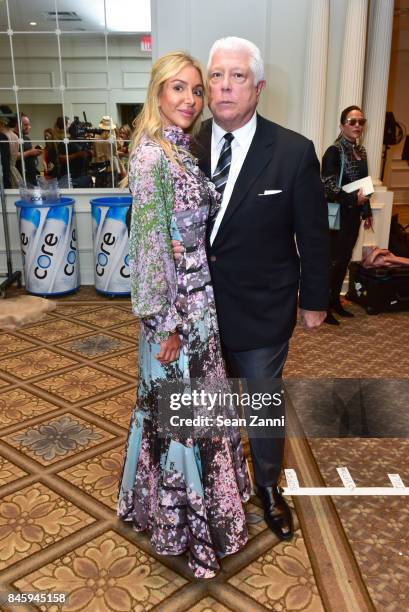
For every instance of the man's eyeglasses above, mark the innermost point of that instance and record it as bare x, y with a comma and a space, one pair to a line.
353, 121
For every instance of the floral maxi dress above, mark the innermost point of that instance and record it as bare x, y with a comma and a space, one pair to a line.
186, 493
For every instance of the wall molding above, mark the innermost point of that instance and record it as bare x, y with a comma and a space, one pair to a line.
86, 80
135, 80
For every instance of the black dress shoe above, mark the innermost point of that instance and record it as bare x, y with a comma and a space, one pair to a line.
330, 319
340, 310
277, 513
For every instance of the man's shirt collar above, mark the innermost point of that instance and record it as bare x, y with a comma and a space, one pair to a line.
241, 135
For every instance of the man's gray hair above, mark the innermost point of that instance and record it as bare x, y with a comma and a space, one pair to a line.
234, 43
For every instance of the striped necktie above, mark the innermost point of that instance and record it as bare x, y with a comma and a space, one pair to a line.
221, 173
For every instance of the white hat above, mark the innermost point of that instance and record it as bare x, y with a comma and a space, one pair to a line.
106, 123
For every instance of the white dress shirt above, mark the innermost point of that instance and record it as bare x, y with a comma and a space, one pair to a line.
239, 149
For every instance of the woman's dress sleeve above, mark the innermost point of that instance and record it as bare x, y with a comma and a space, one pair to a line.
151, 262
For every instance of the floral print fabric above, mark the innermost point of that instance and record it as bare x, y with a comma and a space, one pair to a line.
186, 492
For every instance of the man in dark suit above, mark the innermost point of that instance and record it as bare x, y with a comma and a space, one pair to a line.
30, 153
5, 115
268, 247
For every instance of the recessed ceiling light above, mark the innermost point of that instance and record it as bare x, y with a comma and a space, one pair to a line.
33, 23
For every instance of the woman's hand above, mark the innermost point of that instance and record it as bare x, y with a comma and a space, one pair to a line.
169, 349
178, 250
360, 198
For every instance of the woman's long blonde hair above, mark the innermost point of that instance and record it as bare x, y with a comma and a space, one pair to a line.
149, 122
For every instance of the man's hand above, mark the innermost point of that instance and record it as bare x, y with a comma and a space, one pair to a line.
32, 152
312, 319
169, 349
82, 154
177, 249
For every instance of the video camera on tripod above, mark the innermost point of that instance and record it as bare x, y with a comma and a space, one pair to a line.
81, 130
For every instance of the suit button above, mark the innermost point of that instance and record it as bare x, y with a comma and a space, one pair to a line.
213, 258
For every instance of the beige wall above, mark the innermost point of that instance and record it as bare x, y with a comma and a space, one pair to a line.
277, 27
398, 92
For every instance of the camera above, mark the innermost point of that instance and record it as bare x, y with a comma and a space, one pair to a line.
80, 130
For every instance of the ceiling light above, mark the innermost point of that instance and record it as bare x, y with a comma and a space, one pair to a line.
128, 19
33, 23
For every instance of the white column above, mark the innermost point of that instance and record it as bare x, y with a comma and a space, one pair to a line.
376, 80
315, 74
353, 56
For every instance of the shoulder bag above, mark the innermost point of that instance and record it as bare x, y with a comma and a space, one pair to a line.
334, 208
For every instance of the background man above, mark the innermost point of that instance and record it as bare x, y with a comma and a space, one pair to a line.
77, 156
30, 153
5, 114
269, 241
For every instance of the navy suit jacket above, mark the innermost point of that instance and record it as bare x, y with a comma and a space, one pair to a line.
269, 249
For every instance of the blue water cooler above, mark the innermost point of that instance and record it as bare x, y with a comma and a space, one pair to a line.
110, 236
48, 238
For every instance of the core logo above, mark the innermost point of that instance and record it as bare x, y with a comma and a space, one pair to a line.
108, 240
69, 268
44, 260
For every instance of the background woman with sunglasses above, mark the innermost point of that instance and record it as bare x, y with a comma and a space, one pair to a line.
348, 155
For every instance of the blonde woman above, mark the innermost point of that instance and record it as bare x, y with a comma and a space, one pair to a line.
185, 491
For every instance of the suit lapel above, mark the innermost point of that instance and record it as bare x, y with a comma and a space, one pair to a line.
203, 147
258, 156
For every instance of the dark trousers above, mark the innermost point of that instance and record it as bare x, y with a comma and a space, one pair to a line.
342, 244
262, 369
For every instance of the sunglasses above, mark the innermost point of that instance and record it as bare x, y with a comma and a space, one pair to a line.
352, 121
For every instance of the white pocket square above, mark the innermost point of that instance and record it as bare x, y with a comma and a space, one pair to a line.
270, 192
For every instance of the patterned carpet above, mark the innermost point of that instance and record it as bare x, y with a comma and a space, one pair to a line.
67, 388
377, 528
